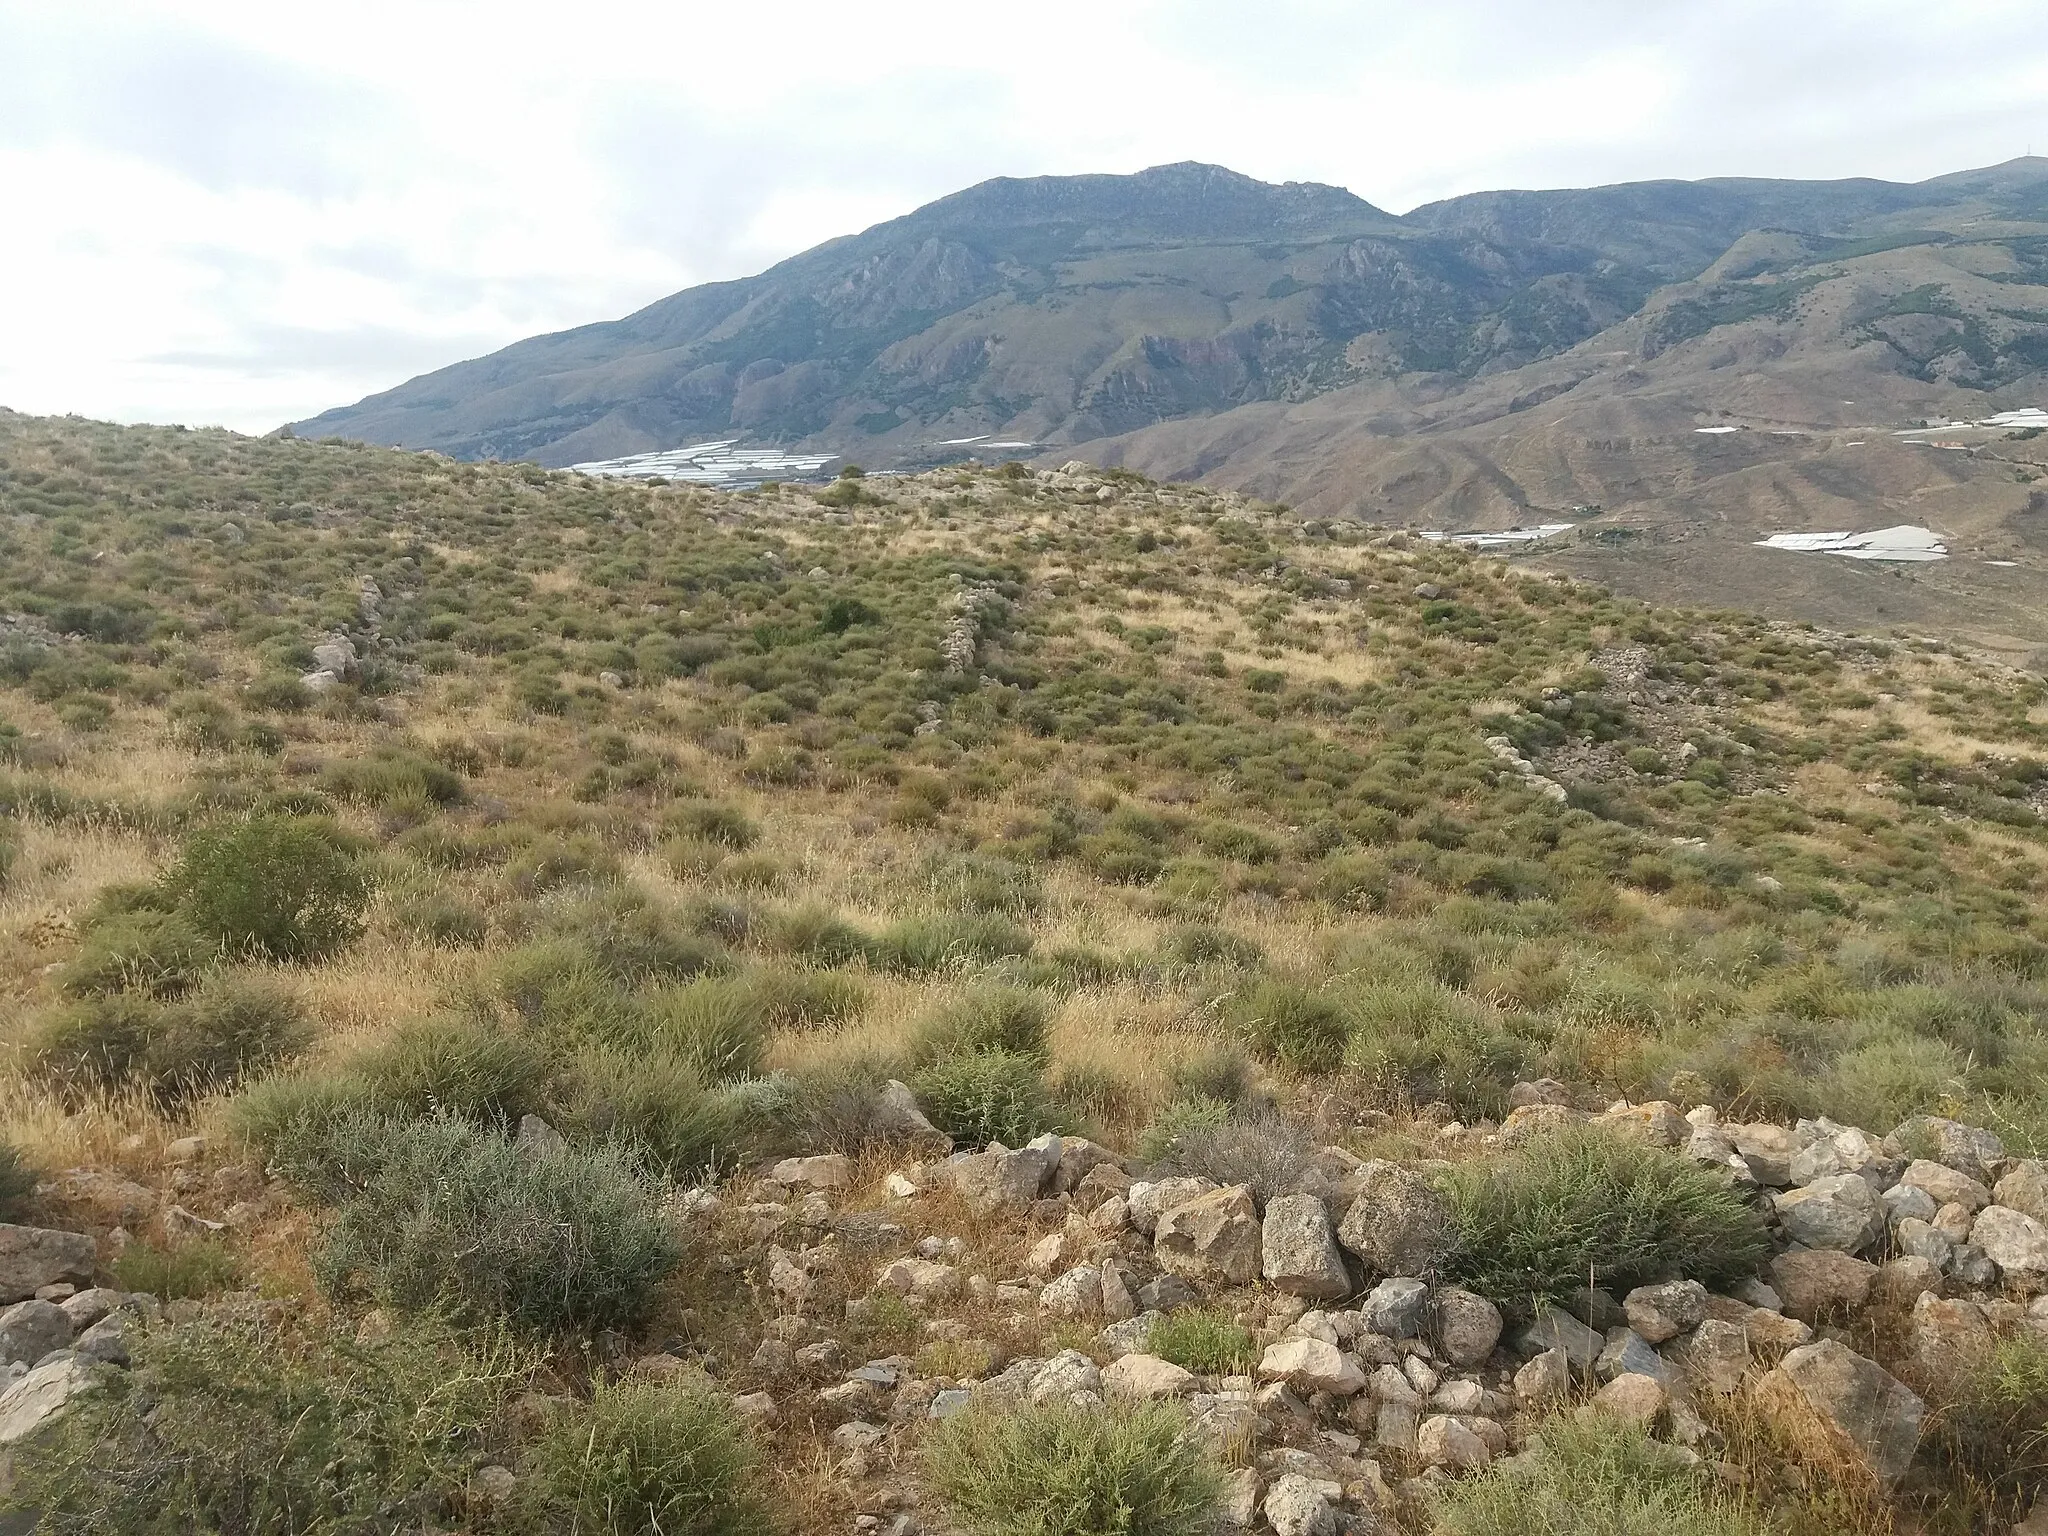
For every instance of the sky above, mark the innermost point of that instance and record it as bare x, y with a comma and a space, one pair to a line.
231, 212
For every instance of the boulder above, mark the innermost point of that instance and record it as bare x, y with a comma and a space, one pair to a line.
1544, 1379
1832, 1396
1445, 1441
2025, 1190
1840, 1212
1961, 1147
1467, 1326
1077, 1293
1312, 1366
1627, 1353
33, 1257
1835, 1149
2015, 1242
1213, 1237
1555, 1328
29, 1330
1715, 1357
1632, 1398
1819, 1282
1397, 1224
1295, 1506
1902, 1282
1239, 1510
1148, 1201
1298, 1249
1146, 1376
1163, 1293
1909, 1202
1660, 1312
110, 1197
41, 1396
1394, 1308
87, 1307
832, 1170
1945, 1186
1544, 1090
1129, 1336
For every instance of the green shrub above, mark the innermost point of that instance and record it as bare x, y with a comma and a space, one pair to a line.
986, 1096
182, 1271
1063, 1470
282, 1114
1593, 1476
17, 1181
559, 990
971, 882
1991, 1417
439, 1212
231, 1027
713, 823
279, 887
921, 945
1295, 1025
719, 1025
1268, 1153
818, 934
142, 950
466, 1066
1589, 1204
655, 1107
636, 939
644, 1456
1205, 1340
1219, 1072
246, 1430
986, 1018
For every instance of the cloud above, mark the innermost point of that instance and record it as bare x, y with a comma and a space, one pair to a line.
230, 211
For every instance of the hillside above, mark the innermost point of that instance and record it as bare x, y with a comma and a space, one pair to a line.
495, 961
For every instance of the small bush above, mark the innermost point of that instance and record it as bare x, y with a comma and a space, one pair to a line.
1594, 1476
466, 1066
143, 950
1063, 1470
634, 938
921, 945
278, 887
281, 1114
182, 1271
1268, 1153
1584, 1202
550, 863
718, 1025
559, 990
94, 1046
713, 823
644, 1456
245, 1430
1297, 1026
655, 1108
987, 1096
1205, 1340
17, 1181
439, 1212
231, 1027
989, 1018
836, 1104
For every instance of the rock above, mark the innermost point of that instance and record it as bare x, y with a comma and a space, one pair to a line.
1395, 1308
1627, 1353
918, 1277
40, 1396
1080, 1157
1908, 1202
1239, 1508
87, 1307
1961, 1147
181, 1224
1631, 1398
1921, 1240
1146, 1376
2025, 1190
491, 1486
1066, 1376
1712, 1145
1117, 1301
1396, 1224
1213, 1237
1312, 1366
1544, 1379
1840, 1212
1596, 1308
184, 1150
1294, 1506
1422, 1376
1902, 1282
1715, 1357
33, 1257
2015, 1242
1837, 1149
1945, 1186
1532, 1119
1818, 1282
1046, 1254
832, 1170
896, 1114
335, 654
29, 1330
949, 1401
1298, 1249
1077, 1293
1544, 1090
106, 1341
1467, 1326
998, 1177
107, 1195
1839, 1399
1148, 1200
858, 1436
1459, 1396
1772, 1333
1166, 1292
1130, 1336
1660, 1312
1555, 1328
1395, 1424
1390, 1384
1767, 1149
1973, 1268
1954, 1221
1948, 1336
1661, 1123
1444, 1441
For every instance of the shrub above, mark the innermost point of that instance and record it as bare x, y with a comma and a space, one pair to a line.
1297, 1026
713, 823
558, 990
242, 1430
142, 950
281, 1114
190, 1270
637, 940
466, 1066
280, 887
1991, 1417
818, 934
1268, 1153
644, 1456
1220, 1072
440, 1212
654, 1107
988, 1018
1064, 1470
836, 1104
1205, 1340
920, 945
718, 1025
977, 883
1588, 1203
986, 1096
440, 918
231, 1027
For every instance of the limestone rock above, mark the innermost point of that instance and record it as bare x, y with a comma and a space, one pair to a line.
1067, 1376
1555, 1328
1394, 1308
832, 1170
41, 1396
2015, 1242
1396, 1223
1945, 1186
1467, 1326
108, 1196
87, 1307
1312, 1366
1632, 1398
1080, 1157
1544, 1090
1948, 1336
918, 1277
897, 1114
1661, 1123
29, 1330
106, 1341
1294, 1506
1961, 1147
1841, 1212
1148, 1201
1818, 1282
1903, 1281
1239, 1509
997, 1176
1767, 1149
33, 1257
1213, 1237
1627, 1353
1923, 1240
1146, 1376
1660, 1312
1909, 1202
1444, 1441
1544, 1379
1840, 1399
1298, 1249
1715, 1357
1077, 1293
2025, 1190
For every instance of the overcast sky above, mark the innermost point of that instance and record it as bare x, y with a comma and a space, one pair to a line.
240, 212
